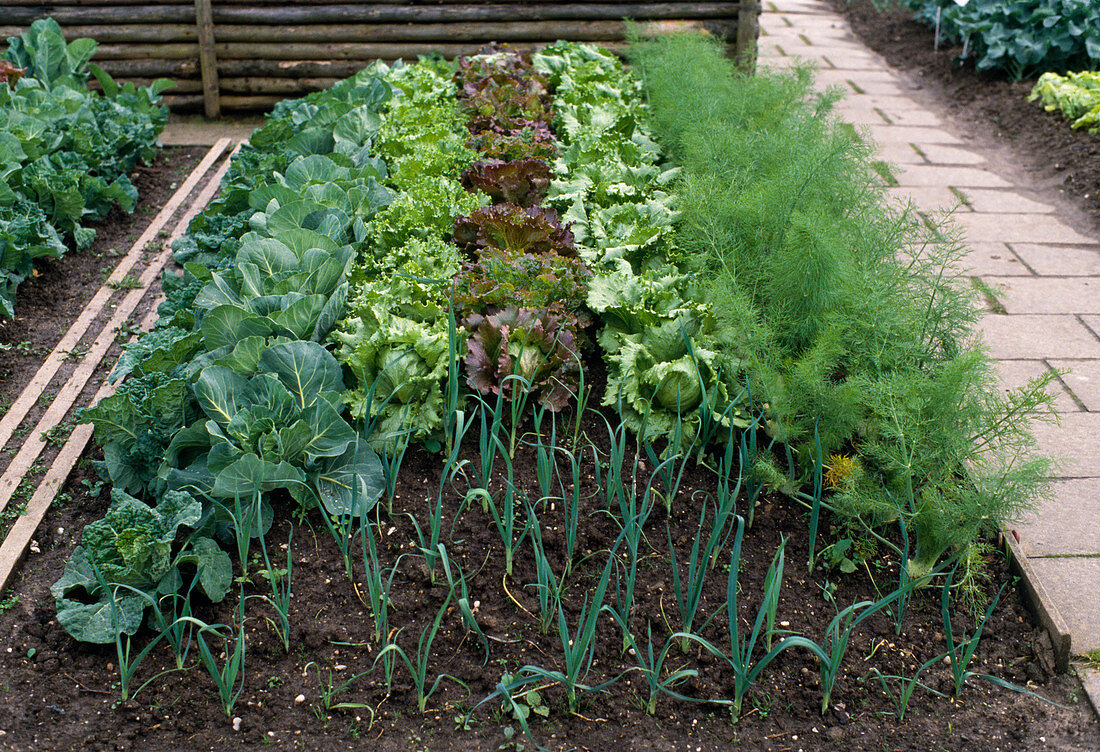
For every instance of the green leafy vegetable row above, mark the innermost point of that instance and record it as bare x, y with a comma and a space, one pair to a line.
665, 371
395, 336
234, 395
1075, 95
852, 324
1018, 37
66, 153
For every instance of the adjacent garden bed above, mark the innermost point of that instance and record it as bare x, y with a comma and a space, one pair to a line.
987, 104
533, 401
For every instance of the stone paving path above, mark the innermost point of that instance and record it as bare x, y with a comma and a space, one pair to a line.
1046, 273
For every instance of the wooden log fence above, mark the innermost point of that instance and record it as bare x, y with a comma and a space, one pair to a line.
248, 54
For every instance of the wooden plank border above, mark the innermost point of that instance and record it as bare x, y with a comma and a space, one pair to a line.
42, 378
67, 395
19, 537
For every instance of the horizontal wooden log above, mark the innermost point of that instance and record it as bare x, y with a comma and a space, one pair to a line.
182, 85
352, 51
238, 103
146, 34
152, 68
284, 86
336, 69
143, 51
183, 102
371, 13
111, 34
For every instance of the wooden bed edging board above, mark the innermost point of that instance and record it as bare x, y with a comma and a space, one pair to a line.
1041, 604
41, 379
19, 537
240, 54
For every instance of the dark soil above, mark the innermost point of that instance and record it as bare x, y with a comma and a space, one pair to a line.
986, 106
48, 302
61, 695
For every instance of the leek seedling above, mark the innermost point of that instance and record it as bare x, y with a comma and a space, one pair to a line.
634, 518
419, 668
429, 546
959, 655
487, 447
579, 646
330, 690
128, 661
831, 653
572, 507
544, 453
689, 591
549, 586
280, 582
726, 498
908, 684
742, 654
342, 529
228, 677
504, 514
392, 461
175, 631
459, 584
653, 666
377, 585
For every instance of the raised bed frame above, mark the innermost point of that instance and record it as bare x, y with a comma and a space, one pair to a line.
249, 54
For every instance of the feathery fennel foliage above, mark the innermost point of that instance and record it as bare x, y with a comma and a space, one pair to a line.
849, 317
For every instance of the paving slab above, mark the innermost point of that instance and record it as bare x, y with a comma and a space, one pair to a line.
900, 154
994, 259
1074, 443
958, 177
911, 134
1037, 337
1071, 582
1047, 294
873, 88
1060, 260
908, 116
795, 48
1014, 228
797, 17
828, 77
950, 155
1083, 380
1090, 680
1014, 374
994, 200
872, 109
928, 198
1065, 525
852, 60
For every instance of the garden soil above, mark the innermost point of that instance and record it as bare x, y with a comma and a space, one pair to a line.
56, 694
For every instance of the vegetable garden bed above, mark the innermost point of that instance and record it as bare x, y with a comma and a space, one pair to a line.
614, 550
